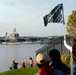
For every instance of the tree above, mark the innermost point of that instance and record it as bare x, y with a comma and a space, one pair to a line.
71, 24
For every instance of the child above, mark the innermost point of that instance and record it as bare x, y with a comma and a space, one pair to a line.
23, 65
31, 62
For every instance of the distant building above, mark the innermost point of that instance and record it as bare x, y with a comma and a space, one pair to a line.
13, 36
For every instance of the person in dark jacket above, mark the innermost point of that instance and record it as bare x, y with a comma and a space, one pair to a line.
55, 58
14, 65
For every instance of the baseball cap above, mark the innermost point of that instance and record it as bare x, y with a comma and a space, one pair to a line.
41, 58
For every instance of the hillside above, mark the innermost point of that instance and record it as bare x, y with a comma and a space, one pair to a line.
22, 71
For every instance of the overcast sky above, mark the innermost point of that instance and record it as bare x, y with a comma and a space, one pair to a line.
27, 17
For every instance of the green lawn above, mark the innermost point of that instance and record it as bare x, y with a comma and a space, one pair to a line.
22, 71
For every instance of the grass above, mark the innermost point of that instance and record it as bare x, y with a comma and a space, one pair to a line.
21, 71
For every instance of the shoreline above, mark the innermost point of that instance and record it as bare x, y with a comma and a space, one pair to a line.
18, 43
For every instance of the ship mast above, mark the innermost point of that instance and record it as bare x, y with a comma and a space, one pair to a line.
14, 31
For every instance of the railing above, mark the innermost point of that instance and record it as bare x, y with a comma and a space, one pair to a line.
57, 43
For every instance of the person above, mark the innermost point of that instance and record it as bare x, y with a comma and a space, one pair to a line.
23, 65
31, 62
44, 67
72, 50
55, 59
14, 65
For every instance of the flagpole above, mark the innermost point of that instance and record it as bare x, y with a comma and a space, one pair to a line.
63, 15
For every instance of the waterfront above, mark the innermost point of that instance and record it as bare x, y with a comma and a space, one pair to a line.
17, 52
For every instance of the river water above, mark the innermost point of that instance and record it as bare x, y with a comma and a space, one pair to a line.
18, 53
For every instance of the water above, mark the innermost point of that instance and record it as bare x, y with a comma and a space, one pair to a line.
18, 53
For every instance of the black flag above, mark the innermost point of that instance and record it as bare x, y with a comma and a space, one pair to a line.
55, 16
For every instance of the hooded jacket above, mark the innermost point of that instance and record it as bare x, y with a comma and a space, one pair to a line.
46, 70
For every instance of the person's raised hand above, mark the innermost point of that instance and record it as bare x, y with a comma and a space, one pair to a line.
64, 37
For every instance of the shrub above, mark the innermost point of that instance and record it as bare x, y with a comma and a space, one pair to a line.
66, 59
